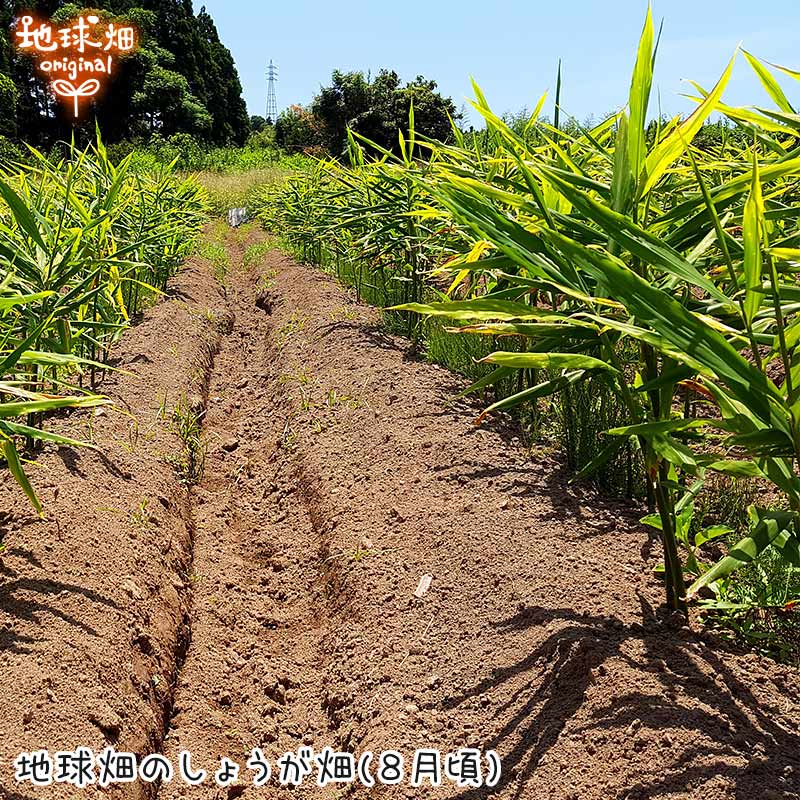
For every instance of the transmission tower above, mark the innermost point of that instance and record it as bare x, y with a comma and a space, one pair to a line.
272, 102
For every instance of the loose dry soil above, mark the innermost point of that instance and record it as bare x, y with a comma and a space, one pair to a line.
273, 605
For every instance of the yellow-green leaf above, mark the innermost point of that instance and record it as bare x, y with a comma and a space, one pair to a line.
640, 96
665, 153
751, 235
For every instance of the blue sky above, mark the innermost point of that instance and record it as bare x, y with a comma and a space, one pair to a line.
511, 48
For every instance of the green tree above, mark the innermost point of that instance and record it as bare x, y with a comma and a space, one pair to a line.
297, 129
218, 86
379, 108
8, 106
339, 105
168, 106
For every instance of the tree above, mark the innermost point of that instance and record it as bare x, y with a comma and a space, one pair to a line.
257, 123
219, 87
338, 105
433, 113
8, 106
379, 108
168, 106
297, 129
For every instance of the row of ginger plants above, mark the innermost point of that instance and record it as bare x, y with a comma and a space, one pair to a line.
85, 245
623, 258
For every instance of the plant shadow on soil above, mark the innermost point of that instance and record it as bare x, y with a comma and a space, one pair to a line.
730, 714
72, 461
373, 335
31, 610
578, 501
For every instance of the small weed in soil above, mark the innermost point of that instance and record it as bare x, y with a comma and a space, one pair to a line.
186, 423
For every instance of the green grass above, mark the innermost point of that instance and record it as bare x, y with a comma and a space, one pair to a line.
238, 189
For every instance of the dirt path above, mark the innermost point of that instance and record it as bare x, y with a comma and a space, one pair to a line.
338, 473
252, 675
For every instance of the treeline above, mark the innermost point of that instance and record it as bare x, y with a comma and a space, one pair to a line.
180, 91
181, 79
378, 109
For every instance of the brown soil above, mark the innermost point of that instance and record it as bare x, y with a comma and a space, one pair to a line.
340, 471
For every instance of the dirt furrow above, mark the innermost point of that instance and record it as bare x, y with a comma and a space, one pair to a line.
251, 676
